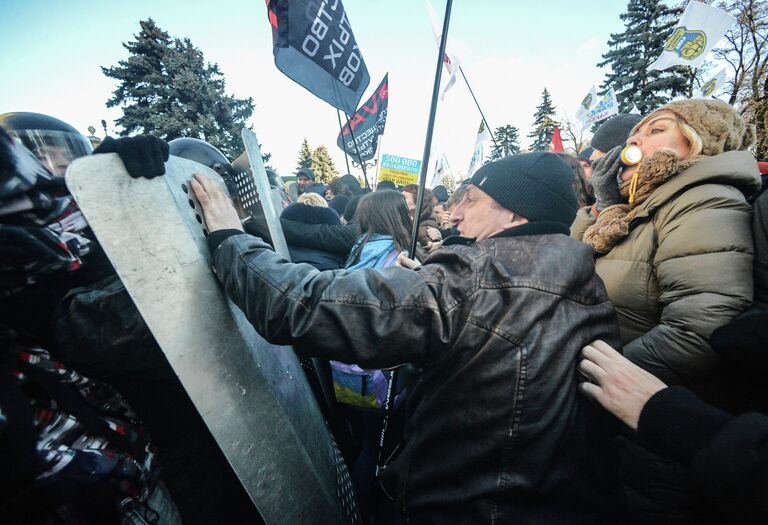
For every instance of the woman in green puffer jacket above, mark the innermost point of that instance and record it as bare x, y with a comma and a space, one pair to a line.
673, 245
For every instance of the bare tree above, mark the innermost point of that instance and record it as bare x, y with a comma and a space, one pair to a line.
574, 132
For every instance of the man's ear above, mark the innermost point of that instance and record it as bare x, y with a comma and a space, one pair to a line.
514, 221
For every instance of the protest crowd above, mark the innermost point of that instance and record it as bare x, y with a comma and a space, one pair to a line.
564, 337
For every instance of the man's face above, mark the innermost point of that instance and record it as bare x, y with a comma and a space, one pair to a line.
303, 182
479, 216
411, 202
55, 159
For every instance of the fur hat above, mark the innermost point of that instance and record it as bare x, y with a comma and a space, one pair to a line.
614, 132
538, 186
720, 127
309, 214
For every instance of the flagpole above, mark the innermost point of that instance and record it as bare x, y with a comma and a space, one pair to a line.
357, 151
430, 130
391, 393
482, 115
344, 146
378, 158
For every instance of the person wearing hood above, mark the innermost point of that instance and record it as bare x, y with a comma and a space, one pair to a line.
673, 245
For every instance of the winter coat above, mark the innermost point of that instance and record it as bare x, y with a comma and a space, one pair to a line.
306, 214
496, 431
337, 239
684, 269
728, 455
760, 230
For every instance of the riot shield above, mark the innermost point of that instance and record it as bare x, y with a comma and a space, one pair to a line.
252, 395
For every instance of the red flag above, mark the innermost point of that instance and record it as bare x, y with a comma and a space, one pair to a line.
556, 146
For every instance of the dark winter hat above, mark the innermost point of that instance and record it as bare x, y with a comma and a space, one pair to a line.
351, 209
441, 193
351, 182
307, 173
386, 185
614, 132
300, 212
538, 186
339, 203
585, 153
316, 188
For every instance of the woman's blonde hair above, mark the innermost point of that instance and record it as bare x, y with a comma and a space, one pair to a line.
691, 135
313, 199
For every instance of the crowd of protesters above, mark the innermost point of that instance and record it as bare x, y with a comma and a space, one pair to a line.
584, 336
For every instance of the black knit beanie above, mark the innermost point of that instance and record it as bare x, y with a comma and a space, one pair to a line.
614, 132
538, 186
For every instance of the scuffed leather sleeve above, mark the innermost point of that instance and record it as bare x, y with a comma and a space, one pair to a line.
703, 264
375, 318
584, 219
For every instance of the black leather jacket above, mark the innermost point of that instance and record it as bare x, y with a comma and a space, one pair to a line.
497, 432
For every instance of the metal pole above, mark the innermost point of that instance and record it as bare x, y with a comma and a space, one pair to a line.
344, 146
378, 159
357, 150
490, 130
430, 129
391, 393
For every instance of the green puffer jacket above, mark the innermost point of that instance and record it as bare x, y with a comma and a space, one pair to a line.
685, 268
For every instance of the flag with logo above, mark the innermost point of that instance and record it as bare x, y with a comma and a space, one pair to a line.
313, 45
556, 144
586, 104
478, 156
606, 106
697, 32
450, 62
367, 125
712, 85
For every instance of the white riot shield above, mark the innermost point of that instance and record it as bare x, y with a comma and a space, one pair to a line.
252, 395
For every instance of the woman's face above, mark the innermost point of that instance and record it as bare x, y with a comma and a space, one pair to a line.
662, 131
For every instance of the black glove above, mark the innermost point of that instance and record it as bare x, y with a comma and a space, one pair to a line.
605, 173
143, 155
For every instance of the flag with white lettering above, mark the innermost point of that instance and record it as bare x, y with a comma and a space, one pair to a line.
313, 45
367, 124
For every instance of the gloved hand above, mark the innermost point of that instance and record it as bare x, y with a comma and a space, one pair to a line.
605, 172
143, 155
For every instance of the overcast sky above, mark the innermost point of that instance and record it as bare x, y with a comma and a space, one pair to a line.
510, 51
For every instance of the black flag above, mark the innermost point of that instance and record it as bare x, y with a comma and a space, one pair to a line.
313, 45
367, 124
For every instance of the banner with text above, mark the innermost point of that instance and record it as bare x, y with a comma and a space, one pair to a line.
313, 45
400, 170
367, 124
606, 106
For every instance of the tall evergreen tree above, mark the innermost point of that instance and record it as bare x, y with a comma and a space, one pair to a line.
323, 165
305, 156
543, 123
507, 143
648, 24
167, 89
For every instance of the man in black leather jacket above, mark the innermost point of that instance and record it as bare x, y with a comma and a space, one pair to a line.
496, 432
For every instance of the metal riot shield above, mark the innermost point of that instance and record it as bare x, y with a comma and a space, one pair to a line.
252, 395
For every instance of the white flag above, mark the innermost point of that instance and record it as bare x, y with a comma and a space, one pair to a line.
697, 32
478, 156
634, 110
450, 61
586, 104
712, 85
441, 166
606, 106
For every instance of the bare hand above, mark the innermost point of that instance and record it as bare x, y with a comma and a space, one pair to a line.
219, 212
405, 262
620, 386
434, 234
